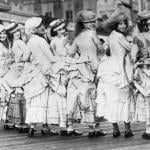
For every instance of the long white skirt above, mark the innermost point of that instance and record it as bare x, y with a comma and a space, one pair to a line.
36, 108
114, 97
80, 101
56, 113
114, 104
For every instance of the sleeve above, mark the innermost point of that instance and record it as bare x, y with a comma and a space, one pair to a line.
19, 50
73, 49
124, 43
97, 43
53, 47
45, 48
26, 54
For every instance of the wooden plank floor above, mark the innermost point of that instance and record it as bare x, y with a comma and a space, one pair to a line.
12, 140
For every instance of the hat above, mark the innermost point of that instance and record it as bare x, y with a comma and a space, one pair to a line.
148, 21
113, 19
57, 24
33, 22
1, 28
144, 15
125, 4
87, 16
12, 28
144, 62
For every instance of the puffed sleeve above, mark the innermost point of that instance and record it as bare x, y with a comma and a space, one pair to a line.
45, 48
124, 43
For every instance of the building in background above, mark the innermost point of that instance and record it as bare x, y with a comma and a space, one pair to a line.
15, 10
20, 10
66, 9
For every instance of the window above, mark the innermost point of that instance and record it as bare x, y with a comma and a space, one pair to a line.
69, 15
48, 14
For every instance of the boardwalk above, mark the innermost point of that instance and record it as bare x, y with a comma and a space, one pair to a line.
12, 140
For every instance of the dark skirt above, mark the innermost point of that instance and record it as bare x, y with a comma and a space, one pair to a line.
16, 109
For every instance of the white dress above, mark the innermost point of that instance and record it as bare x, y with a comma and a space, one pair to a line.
81, 87
5, 63
58, 84
114, 97
36, 89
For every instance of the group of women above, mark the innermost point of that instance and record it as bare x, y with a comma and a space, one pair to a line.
56, 83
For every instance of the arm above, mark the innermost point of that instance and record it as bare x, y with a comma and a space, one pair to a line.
97, 43
73, 49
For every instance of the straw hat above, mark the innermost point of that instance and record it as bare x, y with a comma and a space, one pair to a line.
86, 16
13, 27
144, 62
57, 24
144, 15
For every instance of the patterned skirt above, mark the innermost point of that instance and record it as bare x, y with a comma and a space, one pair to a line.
16, 109
142, 112
81, 101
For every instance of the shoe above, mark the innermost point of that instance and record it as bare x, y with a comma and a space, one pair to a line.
31, 132
91, 134
128, 134
74, 132
116, 134
99, 133
63, 132
146, 135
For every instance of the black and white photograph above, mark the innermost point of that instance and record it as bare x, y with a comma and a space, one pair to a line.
74, 74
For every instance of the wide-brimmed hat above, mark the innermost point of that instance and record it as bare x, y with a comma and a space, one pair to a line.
57, 24
13, 27
115, 18
144, 15
144, 62
2, 28
87, 16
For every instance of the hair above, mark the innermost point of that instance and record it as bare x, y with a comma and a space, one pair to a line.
115, 25
6, 42
11, 37
53, 33
142, 25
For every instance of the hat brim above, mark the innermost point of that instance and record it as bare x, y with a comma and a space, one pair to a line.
59, 27
93, 20
15, 30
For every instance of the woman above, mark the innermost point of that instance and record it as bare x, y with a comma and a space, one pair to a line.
5, 63
81, 87
115, 97
37, 90
16, 112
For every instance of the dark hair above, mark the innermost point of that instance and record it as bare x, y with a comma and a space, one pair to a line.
142, 25
115, 26
53, 33
6, 42
11, 37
